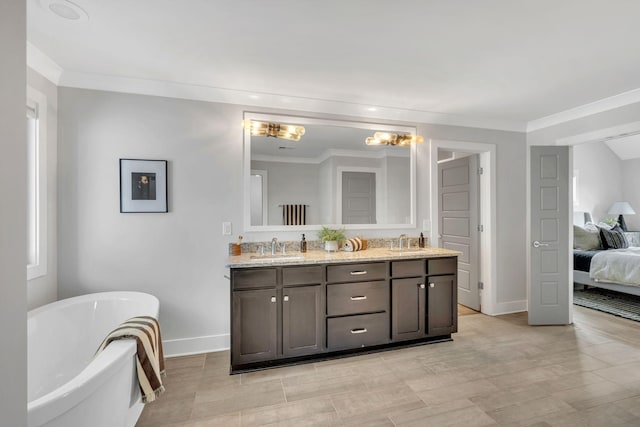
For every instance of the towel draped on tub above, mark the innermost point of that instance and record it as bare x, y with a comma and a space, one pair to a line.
149, 357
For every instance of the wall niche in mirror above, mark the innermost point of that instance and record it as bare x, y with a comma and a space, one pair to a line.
328, 176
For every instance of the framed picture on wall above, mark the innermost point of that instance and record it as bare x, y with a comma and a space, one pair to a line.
143, 185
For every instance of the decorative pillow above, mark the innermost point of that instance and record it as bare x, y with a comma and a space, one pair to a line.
586, 238
612, 239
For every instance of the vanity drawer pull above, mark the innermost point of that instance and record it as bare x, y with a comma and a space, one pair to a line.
359, 331
358, 272
359, 298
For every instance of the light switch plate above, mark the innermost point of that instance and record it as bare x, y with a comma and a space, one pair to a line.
426, 225
226, 229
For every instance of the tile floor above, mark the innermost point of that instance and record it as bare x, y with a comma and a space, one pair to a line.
497, 372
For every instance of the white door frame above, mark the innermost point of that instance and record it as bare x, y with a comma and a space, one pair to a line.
488, 260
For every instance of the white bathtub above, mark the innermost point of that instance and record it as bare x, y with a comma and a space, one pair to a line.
67, 386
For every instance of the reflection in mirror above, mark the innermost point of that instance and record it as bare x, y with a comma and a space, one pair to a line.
329, 176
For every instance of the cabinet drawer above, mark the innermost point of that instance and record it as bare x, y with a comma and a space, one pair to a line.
353, 298
253, 278
302, 275
356, 272
442, 266
357, 331
411, 268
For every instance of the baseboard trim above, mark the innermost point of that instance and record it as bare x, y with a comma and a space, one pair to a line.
509, 307
196, 345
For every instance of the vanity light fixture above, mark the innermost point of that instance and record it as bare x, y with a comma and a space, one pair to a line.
385, 138
275, 130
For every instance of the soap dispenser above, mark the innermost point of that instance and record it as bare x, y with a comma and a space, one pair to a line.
421, 241
303, 244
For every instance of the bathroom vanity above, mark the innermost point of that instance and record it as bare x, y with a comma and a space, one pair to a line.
319, 305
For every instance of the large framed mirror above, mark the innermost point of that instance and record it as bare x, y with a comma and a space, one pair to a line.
328, 177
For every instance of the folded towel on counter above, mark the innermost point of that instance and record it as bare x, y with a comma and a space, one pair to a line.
149, 358
352, 245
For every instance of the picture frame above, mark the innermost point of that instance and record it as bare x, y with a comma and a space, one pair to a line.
143, 186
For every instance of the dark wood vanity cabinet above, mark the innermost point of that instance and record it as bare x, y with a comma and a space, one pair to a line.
290, 313
276, 312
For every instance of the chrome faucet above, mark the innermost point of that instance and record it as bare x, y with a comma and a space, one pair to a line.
274, 245
402, 236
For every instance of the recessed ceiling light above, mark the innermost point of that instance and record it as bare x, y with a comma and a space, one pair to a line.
65, 9
372, 109
254, 96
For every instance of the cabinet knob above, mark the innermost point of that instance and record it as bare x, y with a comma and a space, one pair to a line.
273, 299
432, 285
422, 286
286, 298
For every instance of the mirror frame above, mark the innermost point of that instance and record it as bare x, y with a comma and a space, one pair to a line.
281, 118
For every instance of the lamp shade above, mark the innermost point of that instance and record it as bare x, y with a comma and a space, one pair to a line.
621, 208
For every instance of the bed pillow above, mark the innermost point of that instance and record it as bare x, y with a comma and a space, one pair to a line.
613, 239
586, 238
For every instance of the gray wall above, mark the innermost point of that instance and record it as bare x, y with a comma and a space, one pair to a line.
296, 183
631, 191
599, 178
13, 229
43, 290
179, 256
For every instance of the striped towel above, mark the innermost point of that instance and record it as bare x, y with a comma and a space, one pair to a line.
149, 359
294, 214
353, 245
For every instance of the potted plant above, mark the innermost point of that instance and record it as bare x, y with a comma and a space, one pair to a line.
331, 238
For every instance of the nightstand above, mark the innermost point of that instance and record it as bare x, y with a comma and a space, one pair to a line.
633, 237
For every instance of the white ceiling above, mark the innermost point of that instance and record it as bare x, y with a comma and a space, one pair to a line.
514, 61
626, 148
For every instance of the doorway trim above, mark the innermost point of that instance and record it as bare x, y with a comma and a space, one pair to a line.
488, 260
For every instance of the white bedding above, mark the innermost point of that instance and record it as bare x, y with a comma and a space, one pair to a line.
617, 266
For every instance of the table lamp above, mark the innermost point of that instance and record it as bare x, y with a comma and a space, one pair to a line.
621, 208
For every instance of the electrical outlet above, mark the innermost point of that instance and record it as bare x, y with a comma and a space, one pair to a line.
226, 229
426, 225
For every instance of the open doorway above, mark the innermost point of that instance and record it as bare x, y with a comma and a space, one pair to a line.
485, 155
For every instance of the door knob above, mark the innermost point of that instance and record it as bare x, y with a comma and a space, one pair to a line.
432, 285
273, 299
537, 244
422, 286
286, 298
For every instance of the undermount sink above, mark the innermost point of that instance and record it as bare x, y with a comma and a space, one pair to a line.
277, 257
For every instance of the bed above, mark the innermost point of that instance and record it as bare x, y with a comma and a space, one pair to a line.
614, 269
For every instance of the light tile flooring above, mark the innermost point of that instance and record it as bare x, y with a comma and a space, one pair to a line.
497, 372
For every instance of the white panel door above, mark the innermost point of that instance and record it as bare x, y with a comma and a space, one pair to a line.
549, 276
458, 213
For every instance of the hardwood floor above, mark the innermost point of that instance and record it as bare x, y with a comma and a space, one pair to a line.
498, 371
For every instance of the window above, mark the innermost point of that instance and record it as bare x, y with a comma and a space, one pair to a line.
36, 185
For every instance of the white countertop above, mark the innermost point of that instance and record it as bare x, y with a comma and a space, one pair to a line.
323, 257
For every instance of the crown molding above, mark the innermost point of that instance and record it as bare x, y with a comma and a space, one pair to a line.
600, 106
266, 100
43, 64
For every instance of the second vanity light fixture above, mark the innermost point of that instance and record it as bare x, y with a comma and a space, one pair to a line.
385, 138
275, 130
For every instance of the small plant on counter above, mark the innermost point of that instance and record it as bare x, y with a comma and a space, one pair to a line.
328, 235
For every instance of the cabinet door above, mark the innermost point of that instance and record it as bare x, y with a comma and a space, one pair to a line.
408, 308
254, 333
442, 308
302, 323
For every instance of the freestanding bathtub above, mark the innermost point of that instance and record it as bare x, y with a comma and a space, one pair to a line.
67, 386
